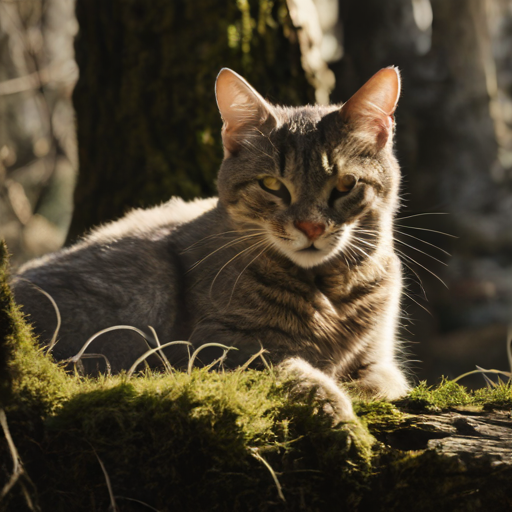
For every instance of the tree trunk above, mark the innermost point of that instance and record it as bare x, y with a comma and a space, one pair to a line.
148, 124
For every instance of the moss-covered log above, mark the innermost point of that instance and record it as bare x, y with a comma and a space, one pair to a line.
148, 125
239, 441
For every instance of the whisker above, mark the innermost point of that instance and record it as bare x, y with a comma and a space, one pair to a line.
419, 250
361, 250
352, 253
215, 235
369, 244
245, 268
229, 244
366, 254
423, 241
420, 282
419, 264
417, 303
422, 214
426, 229
253, 246
367, 231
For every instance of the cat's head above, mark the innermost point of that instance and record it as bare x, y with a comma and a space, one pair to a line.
313, 178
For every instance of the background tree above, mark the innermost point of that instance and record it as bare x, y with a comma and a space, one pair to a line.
148, 124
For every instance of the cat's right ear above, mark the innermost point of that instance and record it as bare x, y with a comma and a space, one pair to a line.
243, 110
371, 109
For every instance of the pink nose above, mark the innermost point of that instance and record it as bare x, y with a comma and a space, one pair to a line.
311, 229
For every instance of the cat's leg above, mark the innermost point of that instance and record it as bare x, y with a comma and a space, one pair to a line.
383, 380
306, 377
338, 403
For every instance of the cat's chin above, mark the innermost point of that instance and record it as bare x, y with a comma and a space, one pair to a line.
310, 259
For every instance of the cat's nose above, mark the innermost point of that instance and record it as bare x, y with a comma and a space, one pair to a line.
311, 229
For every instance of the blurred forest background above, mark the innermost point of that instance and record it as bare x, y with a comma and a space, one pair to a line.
109, 104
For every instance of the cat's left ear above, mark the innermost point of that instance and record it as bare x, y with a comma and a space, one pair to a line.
245, 113
370, 110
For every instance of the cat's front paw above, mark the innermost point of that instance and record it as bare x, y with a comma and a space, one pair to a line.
384, 380
307, 378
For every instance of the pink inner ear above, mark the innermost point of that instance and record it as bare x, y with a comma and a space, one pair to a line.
371, 108
241, 107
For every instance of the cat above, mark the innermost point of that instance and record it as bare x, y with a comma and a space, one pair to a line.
296, 255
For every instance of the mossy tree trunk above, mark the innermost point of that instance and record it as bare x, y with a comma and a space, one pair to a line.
148, 124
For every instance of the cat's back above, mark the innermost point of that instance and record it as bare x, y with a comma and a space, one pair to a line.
124, 272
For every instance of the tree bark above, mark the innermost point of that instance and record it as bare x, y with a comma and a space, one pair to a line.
148, 124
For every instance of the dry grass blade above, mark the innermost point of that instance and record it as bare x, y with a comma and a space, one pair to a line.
144, 356
253, 358
53, 341
197, 350
490, 384
77, 357
18, 470
483, 370
113, 504
254, 452
94, 356
509, 347
136, 501
267, 365
161, 353
218, 361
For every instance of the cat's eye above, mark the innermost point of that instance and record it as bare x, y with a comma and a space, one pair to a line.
271, 183
345, 184
276, 188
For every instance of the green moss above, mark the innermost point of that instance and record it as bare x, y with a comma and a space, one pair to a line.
378, 416
449, 395
498, 397
183, 442
31, 378
221, 441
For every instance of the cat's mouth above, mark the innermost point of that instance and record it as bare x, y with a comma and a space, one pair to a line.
311, 248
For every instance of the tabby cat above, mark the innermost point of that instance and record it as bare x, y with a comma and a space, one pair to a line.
296, 254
